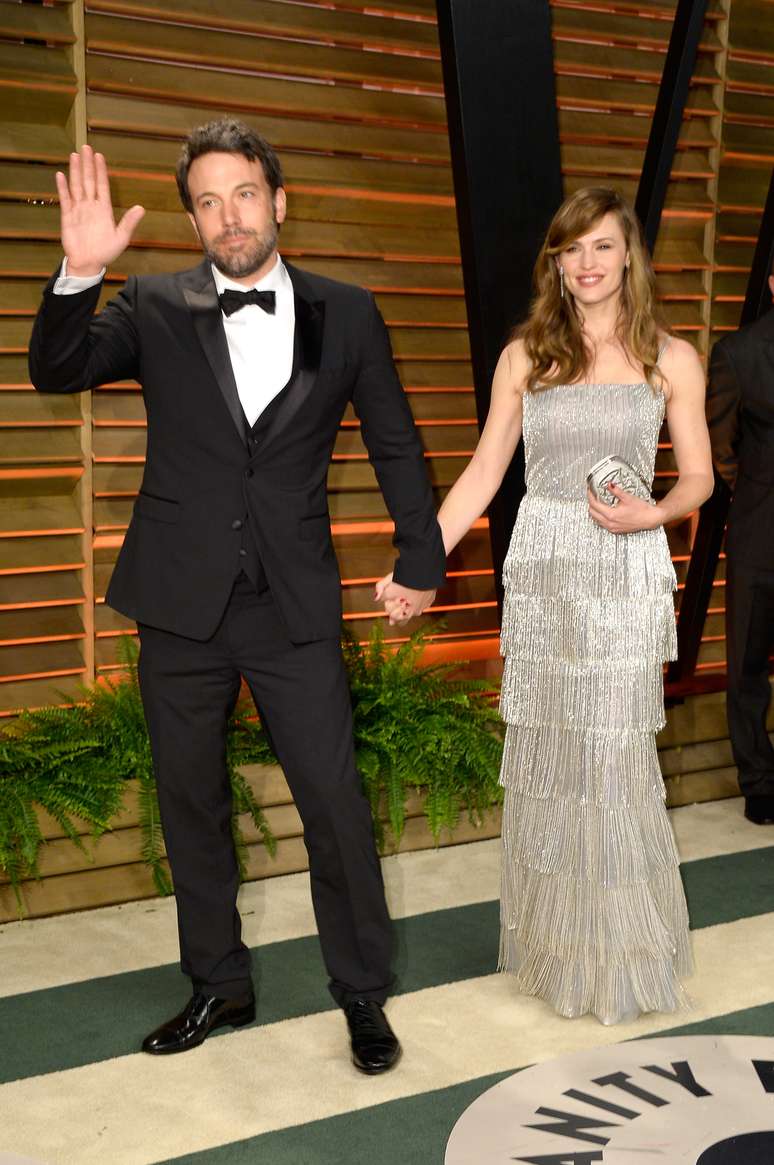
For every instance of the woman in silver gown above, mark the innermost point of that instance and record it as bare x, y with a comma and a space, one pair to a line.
593, 915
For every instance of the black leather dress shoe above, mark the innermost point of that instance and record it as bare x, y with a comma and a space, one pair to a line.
202, 1015
760, 810
375, 1046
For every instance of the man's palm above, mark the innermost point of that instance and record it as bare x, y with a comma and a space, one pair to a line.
91, 238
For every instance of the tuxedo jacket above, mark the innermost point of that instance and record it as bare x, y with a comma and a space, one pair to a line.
740, 410
203, 479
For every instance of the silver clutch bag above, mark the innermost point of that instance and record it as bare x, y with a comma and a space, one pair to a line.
614, 470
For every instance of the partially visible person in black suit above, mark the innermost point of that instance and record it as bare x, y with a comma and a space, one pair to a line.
246, 365
740, 406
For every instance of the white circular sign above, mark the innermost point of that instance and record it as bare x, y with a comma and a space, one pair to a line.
697, 1100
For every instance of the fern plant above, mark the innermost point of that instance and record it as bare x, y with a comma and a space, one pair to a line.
415, 728
50, 759
418, 728
74, 763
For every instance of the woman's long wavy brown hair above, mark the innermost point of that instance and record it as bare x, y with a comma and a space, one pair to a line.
552, 333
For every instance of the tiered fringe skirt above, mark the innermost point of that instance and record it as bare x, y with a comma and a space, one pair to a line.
593, 915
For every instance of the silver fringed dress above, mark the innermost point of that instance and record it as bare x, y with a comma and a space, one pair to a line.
593, 915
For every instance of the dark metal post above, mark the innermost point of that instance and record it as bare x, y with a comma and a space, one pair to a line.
668, 115
498, 74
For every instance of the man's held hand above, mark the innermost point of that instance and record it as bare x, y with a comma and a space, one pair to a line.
401, 603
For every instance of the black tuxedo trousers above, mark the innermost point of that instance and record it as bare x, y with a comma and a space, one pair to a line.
189, 689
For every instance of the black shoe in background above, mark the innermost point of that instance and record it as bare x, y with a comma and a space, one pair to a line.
760, 810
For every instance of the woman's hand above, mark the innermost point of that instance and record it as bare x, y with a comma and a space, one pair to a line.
627, 516
401, 603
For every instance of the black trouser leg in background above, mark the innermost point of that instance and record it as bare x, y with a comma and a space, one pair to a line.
750, 639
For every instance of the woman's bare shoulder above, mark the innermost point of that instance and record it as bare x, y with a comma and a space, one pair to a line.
517, 362
679, 360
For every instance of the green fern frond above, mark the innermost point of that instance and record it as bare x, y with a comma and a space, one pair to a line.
415, 726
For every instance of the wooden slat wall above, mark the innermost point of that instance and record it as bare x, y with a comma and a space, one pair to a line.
352, 97
45, 620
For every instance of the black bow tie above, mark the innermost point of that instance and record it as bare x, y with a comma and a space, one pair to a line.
231, 301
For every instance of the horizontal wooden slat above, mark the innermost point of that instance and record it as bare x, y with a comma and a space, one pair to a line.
41, 659
40, 693
605, 60
14, 372
43, 258
160, 229
42, 623
38, 409
587, 92
39, 555
749, 105
51, 588
308, 21
34, 142
161, 41
268, 96
585, 22
111, 127
31, 446
606, 161
413, 10
29, 65
386, 141
159, 192
39, 513
25, 22
681, 197
592, 127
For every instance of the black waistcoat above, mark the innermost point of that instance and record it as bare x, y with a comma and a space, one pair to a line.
249, 558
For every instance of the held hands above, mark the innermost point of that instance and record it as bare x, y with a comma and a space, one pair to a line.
401, 603
629, 515
91, 238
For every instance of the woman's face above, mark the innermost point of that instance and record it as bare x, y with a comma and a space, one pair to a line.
594, 264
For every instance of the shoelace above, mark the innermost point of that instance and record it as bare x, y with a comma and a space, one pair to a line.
367, 1018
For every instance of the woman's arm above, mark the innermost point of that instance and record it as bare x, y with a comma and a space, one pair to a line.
478, 483
690, 443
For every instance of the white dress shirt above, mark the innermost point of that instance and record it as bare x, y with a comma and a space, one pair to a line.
260, 345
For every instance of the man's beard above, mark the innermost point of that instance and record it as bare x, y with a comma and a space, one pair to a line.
238, 264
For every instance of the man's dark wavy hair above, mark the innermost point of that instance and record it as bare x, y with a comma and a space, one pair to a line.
226, 135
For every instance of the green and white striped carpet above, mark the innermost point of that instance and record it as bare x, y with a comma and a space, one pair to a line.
78, 992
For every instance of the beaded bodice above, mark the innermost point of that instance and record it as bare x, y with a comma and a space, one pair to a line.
570, 427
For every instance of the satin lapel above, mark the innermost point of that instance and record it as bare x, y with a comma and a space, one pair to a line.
202, 299
310, 318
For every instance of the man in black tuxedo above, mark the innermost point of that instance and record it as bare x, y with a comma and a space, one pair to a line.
740, 406
246, 366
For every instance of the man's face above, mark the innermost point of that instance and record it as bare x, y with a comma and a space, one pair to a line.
234, 214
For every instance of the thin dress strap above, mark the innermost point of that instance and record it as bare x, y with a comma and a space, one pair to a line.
662, 349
